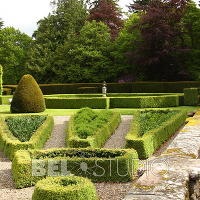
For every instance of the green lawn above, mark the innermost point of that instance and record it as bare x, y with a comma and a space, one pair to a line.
5, 110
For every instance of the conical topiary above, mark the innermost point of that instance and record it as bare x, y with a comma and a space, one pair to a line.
28, 97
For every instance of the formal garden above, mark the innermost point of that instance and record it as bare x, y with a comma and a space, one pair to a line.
102, 105
92, 145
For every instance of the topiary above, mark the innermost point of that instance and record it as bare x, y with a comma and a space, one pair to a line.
65, 188
28, 97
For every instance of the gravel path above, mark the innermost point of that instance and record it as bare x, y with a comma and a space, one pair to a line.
117, 140
116, 191
7, 189
57, 139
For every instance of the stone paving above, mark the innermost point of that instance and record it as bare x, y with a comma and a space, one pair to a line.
168, 175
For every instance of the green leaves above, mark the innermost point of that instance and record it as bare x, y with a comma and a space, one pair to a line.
53, 33
14, 54
24, 126
87, 121
153, 119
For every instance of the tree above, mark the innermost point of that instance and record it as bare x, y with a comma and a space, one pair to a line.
161, 40
106, 11
59, 27
191, 22
14, 54
124, 45
1, 23
86, 58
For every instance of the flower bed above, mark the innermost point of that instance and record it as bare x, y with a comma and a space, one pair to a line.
9, 144
147, 138
88, 128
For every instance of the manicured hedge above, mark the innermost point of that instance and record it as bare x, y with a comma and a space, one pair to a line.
98, 138
145, 102
152, 139
65, 188
76, 103
99, 165
191, 96
134, 87
10, 144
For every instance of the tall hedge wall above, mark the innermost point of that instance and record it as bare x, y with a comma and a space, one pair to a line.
134, 87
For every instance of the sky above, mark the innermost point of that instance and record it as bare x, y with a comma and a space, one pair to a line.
24, 14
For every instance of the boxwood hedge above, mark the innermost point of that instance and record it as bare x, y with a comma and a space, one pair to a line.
65, 188
10, 144
99, 165
150, 141
99, 134
145, 102
191, 96
75, 103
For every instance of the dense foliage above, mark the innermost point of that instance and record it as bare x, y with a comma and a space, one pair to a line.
161, 44
14, 54
153, 119
86, 56
107, 11
88, 121
23, 127
54, 32
91, 41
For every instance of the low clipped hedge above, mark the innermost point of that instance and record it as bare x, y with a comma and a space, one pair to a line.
98, 138
10, 144
145, 102
148, 143
75, 103
65, 188
99, 165
191, 96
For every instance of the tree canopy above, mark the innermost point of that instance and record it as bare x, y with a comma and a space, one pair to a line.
108, 12
14, 54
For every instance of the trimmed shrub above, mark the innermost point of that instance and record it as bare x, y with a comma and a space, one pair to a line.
99, 165
70, 103
146, 140
145, 102
28, 97
65, 188
10, 144
88, 128
191, 96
